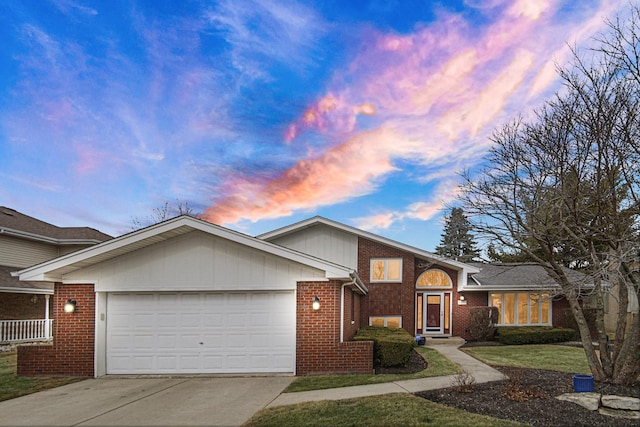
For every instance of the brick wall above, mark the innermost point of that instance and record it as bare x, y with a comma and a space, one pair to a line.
318, 347
387, 299
558, 316
72, 352
461, 313
22, 307
351, 313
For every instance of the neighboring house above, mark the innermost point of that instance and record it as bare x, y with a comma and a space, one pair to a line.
25, 241
185, 296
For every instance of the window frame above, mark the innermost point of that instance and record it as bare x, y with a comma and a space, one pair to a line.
426, 288
515, 308
386, 270
386, 319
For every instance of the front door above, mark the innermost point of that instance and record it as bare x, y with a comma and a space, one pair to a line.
433, 313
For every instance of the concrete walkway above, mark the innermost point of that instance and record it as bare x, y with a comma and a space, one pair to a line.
480, 371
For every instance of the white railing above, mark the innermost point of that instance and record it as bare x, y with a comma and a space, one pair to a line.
12, 331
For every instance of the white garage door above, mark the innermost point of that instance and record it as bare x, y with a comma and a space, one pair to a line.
185, 333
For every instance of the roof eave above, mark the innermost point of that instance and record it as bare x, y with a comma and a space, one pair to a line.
163, 231
47, 239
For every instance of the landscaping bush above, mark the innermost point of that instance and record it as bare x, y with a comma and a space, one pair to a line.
483, 323
514, 335
391, 347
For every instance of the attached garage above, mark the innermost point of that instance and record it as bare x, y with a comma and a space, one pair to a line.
189, 297
200, 332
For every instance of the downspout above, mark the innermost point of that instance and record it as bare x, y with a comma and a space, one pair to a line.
354, 282
344, 285
342, 311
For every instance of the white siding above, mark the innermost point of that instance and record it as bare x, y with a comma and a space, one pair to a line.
324, 242
24, 253
195, 261
67, 249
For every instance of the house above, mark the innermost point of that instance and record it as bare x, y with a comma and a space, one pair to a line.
186, 296
525, 294
25, 241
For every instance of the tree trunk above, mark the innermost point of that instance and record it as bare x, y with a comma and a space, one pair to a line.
585, 337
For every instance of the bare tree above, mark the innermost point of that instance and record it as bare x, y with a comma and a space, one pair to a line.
563, 189
163, 213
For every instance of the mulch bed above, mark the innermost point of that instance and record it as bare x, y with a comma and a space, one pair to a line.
529, 397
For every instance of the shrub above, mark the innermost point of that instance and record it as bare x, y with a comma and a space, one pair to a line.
391, 347
515, 335
483, 322
463, 382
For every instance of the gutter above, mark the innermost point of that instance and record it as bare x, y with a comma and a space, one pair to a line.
11, 290
46, 239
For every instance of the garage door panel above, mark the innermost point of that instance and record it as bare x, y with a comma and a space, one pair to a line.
200, 333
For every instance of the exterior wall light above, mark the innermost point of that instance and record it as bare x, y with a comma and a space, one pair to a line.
461, 297
70, 306
316, 303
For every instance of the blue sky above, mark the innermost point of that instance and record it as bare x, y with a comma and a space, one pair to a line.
263, 113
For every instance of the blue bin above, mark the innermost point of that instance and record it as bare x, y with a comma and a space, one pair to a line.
583, 383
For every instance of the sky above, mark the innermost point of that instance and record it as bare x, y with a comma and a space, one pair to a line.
259, 114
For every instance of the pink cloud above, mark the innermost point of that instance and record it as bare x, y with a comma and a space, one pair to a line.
321, 181
330, 113
433, 96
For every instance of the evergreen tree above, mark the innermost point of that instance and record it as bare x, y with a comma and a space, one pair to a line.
457, 241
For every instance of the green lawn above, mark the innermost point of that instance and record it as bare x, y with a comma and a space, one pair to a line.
542, 356
389, 410
438, 366
12, 385
408, 410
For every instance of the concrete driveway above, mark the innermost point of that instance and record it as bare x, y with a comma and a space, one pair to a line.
194, 401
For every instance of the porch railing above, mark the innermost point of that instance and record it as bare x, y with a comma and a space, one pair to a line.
14, 331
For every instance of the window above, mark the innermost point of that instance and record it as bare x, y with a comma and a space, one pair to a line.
386, 270
434, 279
522, 308
386, 321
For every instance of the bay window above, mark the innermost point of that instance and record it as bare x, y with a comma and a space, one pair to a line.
522, 308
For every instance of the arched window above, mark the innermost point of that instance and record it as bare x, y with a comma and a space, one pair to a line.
434, 278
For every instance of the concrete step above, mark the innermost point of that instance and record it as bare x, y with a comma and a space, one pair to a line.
445, 340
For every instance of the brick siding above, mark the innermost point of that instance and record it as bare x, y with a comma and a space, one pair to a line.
461, 313
387, 299
558, 315
318, 346
14, 306
72, 352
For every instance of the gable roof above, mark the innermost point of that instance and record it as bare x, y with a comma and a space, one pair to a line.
17, 224
420, 253
54, 270
521, 276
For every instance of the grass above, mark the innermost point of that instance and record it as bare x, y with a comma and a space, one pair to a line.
542, 356
438, 366
387, 410
11, 385
408, 410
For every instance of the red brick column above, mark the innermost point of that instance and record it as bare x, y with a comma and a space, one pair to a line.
318, 347
72, 352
